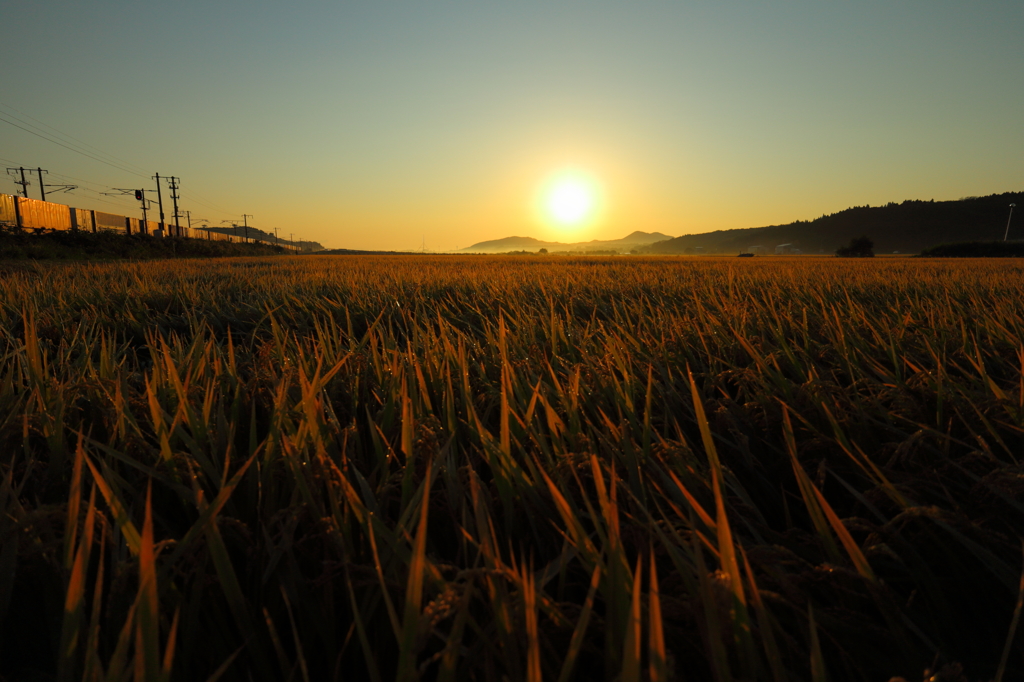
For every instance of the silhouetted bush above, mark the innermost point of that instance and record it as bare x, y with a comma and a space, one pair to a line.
859, 247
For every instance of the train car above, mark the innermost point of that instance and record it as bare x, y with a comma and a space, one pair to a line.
109, 222
8, 211
42, 215
22, 213
82, 219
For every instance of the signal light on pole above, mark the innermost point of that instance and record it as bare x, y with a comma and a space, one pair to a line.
138, 194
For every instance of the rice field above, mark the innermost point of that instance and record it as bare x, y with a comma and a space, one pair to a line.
487, 468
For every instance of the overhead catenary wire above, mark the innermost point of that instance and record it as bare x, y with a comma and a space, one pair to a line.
191, 196
66, 141
77, 151
70, 139
121, 165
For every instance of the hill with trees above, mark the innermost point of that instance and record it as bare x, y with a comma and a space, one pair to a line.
908, 227
635, 240
269, 237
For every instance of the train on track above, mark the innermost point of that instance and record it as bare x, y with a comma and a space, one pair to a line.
31, 214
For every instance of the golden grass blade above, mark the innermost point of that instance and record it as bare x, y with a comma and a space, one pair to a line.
713, 628
694, 504
1008, 647
849, 544
74, 502
771, 647
529, 590
726, 548
631, 647
819, 672
392, 614
414, 591
295, 636
223, 667
172, 640
147, 625
208, 512
74, 599
577, 534
453, 644
821, 511
807, 491
93, 666
657, 657
578, 633
275, 640
124, 522
369, 657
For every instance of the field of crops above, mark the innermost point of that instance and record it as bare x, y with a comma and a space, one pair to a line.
486, 468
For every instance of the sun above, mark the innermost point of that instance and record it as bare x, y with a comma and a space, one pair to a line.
569, 199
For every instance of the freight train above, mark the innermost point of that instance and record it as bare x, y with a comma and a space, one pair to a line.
31, 214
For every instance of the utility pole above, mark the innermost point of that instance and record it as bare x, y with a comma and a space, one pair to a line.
23, 182
276, 238
1008, 222
245, 223
160, 200
174, 185
42, 188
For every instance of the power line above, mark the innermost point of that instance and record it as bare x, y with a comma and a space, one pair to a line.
67, 138
73, 144
121, 165
193, 197
77, 151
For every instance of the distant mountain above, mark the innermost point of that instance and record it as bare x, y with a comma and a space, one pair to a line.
256, 233
908, 227
634, 240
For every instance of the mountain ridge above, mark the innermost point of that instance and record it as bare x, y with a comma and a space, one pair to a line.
907, 227
635, 239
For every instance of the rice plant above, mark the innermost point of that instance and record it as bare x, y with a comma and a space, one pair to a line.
467, 468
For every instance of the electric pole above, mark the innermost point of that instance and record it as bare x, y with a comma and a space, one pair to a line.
42, 187
245, 223
160, 200
1008, 222
277, 239
23, 182
173, 182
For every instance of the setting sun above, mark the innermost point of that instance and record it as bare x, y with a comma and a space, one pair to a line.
570, 199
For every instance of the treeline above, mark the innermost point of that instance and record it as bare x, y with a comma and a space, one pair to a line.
907, 227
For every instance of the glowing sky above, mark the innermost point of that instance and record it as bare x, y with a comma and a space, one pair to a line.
393, 124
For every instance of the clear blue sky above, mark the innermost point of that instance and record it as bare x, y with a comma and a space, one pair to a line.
387, 124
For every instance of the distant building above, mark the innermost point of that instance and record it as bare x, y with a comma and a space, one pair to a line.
783, 249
